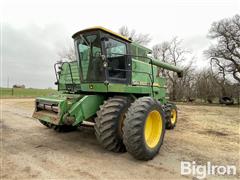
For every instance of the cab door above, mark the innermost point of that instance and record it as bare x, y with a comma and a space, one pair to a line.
118, 60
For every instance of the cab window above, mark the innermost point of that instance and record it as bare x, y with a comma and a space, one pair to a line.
116, 55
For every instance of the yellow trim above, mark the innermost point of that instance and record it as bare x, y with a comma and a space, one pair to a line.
156, 84
153, 129
173, 116
146, 84
106, 30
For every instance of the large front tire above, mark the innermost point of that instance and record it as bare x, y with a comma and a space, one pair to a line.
144, 128
109, 121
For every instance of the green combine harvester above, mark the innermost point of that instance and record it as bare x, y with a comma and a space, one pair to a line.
114, 86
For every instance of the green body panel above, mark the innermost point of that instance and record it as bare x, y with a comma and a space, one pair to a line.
138, 50
85, 108
141, 71
159, 92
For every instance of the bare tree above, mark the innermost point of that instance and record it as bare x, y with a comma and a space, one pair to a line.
67, 54
206, 87
185, 86
210, 85
161, 51
225, 54
219, 74
172, 52
140, 38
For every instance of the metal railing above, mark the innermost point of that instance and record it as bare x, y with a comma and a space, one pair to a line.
60, 65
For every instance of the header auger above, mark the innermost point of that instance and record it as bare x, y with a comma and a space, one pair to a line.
114, 86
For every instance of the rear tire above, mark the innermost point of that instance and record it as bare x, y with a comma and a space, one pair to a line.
171, 115
109, 121
144, 128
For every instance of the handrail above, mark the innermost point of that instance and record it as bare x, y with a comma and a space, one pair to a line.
70, 72
56, 70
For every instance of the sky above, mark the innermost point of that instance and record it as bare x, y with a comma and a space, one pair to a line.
34, 32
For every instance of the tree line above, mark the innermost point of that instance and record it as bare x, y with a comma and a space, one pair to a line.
221, 78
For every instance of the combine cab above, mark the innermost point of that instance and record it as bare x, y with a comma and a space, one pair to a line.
114, 86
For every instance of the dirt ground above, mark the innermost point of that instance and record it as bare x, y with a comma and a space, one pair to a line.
31, 151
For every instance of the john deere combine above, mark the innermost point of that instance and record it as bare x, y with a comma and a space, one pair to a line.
114, 86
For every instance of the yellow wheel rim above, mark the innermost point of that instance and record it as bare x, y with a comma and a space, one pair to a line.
153, 128
173, 116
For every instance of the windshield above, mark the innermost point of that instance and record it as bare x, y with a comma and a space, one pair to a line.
89, 48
